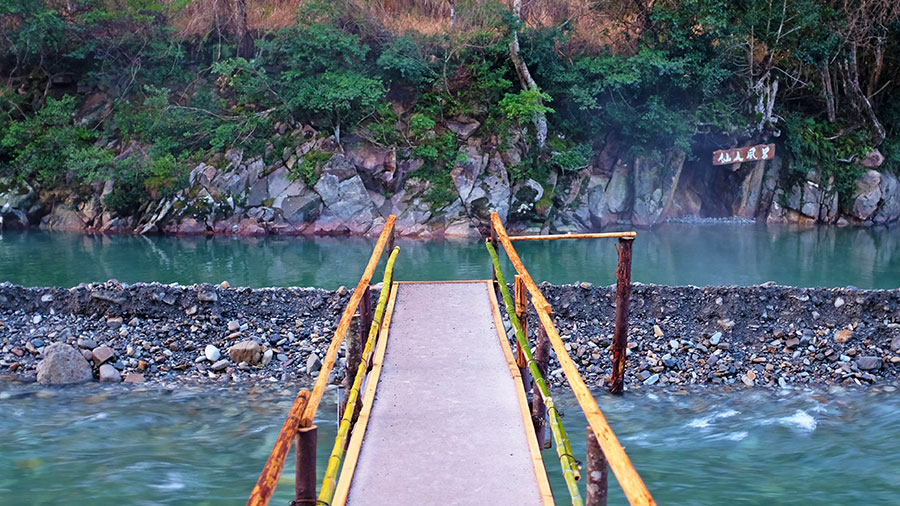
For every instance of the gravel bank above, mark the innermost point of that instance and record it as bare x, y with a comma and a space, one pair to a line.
760, 336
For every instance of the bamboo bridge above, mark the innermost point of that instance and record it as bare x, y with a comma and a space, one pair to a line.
437, 408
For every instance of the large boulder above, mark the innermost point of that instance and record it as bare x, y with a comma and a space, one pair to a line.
618, 190
62, 365
867, 196
348, 207
15, 194
889, 209
245, 351
747, 204
655, 180
598, 202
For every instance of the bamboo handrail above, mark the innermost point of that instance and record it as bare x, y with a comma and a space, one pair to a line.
337, 452
632, 484
563, 446
600, 235
344, 325
265, 485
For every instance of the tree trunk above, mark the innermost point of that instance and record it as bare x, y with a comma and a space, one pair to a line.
244, 41
525, 79
828, 91
875, 76
452, 13
858, 99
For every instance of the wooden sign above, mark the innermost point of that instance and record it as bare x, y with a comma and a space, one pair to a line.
748, 154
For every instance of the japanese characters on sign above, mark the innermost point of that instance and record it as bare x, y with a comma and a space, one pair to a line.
748, 154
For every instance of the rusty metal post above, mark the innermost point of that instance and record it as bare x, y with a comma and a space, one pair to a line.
305, 479
521, 301
538, 409
623, 299
597, 472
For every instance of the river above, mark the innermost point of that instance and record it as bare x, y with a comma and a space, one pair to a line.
113, 445
673, 254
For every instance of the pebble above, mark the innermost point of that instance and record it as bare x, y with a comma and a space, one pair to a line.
652, 379
838, 302
313, 364
220, 365
108, 373
212, 353
657, 332
715, 338
267, 357
101, 354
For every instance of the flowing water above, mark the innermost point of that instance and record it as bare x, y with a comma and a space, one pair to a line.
111, 445
102, 445
673, 254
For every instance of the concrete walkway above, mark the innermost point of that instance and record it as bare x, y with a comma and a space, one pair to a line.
446, 425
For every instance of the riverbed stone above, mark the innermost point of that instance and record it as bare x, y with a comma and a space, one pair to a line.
895, 344
869, 363
220, 365
212, 353
313, 364
101, 354
247, 351
110, 374
134, 378
63, 364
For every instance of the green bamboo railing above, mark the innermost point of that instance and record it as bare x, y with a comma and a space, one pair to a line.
329, 482
563, 446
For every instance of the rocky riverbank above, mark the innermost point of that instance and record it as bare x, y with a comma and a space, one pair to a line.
760, 336
361, 184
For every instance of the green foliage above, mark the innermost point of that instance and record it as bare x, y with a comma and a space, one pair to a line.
525, 105
308, 169
816, 146
43, 146
403, 59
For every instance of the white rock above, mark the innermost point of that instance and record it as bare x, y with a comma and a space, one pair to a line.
212, 353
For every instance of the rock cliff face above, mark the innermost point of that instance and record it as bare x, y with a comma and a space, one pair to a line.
362, 183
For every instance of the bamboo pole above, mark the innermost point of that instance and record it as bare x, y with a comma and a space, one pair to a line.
326, 494
635, 490
538, 409
563, 446
344, 324
268, 479
601, 235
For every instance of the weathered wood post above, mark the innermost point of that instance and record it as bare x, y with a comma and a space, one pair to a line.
538, 409
355, 342
623, 299
495, 243
597, 472
305, 478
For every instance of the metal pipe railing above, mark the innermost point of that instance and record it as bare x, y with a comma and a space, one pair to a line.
299, 424
329, 482
632, 484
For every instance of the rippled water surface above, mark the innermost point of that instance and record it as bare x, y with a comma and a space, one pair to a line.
674, 254
115, 446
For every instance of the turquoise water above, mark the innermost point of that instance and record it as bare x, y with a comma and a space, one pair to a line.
675, 254
113, 446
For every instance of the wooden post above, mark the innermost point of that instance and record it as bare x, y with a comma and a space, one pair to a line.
521, 301
354, 342
305, 480
495, 243
597, 472
623, 298
538, 409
